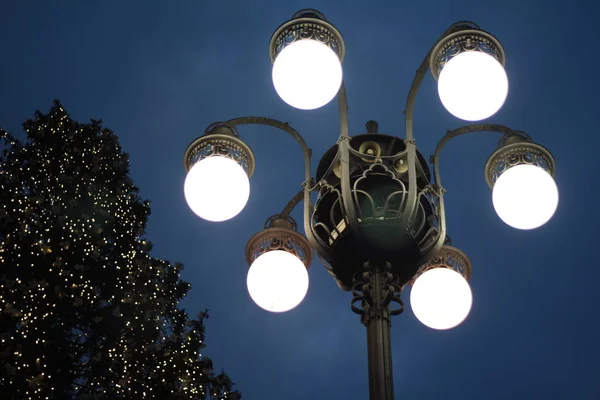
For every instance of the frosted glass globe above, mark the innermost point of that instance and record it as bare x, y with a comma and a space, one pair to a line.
441, 298
473, 86
216, 188
277, 281
525, 196
307, 74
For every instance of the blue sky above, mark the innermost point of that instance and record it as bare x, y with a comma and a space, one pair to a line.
158, 73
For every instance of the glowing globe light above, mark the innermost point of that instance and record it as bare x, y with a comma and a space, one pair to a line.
473, 86
277, 281
307, 74
216, 188
525, 196
441, 298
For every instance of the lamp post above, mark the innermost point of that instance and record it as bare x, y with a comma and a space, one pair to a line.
378, 222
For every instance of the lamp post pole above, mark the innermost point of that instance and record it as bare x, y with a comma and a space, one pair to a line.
377, 321
375, 290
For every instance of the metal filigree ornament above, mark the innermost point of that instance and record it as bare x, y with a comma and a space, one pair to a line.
379, 194
449, 257
463, 41
280, 233
307, 24
515, 149
365, 299
220, 139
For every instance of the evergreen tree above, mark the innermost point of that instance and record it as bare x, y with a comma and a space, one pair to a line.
85, 311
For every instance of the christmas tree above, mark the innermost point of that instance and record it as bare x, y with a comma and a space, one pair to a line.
85, 311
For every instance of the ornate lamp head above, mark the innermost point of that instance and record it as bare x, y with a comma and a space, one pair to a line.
469, 67
219, 166
307, 52
440, 296
516, 149
279, 257
220, 139
521, 175
448, 257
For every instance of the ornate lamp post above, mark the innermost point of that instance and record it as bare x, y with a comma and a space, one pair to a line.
378, 222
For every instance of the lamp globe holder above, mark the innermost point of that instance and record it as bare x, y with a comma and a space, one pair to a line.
307, 24
448, 257
467, 38
516, 148
280, 233
220, 139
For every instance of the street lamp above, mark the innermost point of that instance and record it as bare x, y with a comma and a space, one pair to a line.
378, 222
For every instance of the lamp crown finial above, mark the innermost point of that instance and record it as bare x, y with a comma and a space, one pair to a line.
372, 126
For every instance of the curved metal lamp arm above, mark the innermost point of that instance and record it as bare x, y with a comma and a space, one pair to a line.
305, 192
293, 203
435, 159
343, 105
461, 131
284, 126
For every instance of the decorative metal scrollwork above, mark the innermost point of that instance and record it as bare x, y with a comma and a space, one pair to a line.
364, 291
382, 207
379, 195
448, 257
523, 152
424, 221
306, 27
372, 206
282, 237
462, 41
218, 144
326, 232
431, 197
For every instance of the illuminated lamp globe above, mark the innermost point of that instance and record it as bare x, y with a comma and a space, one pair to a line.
525, 196
277, 281
216, 188
441, 298
307, 74
473, 86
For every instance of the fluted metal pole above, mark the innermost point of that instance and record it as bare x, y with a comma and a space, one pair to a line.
375, 290
381, 379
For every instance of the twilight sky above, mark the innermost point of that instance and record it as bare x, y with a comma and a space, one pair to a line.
159, 72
